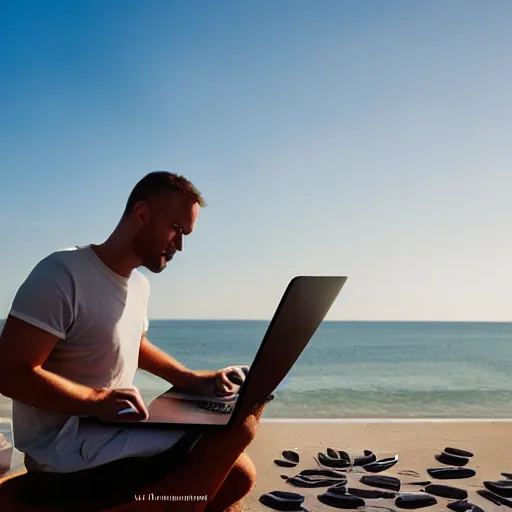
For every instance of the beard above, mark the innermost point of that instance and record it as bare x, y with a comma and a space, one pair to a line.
155, 263
154, 260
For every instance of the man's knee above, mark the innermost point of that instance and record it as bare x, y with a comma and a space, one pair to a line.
248, 429
243, 473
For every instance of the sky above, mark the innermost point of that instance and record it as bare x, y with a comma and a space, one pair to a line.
363, 138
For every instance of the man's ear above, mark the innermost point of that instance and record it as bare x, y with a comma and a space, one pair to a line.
141, 212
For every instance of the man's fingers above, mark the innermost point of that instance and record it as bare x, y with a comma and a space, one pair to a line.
224, 381
240, 374
128, 412
223, 386
134, 399
126, 404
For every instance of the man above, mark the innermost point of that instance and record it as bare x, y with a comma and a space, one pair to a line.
74, 338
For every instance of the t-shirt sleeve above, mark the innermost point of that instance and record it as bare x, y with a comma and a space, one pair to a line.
45, 299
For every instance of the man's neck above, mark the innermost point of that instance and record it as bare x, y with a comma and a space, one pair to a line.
116, 258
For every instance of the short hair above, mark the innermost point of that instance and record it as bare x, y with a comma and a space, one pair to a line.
161, 181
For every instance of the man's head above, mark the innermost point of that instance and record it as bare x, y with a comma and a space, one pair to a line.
162, 208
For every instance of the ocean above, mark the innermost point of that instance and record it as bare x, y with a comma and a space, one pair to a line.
361, 369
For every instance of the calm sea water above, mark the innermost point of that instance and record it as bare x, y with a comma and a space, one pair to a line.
362, 369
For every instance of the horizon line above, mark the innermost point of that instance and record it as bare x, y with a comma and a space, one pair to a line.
324, 321
328, 321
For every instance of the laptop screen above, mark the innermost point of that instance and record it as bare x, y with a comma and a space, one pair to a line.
305, 303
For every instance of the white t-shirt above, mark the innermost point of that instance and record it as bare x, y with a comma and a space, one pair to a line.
99, 318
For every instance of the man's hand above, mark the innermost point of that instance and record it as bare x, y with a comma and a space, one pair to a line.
111, 401
221, 383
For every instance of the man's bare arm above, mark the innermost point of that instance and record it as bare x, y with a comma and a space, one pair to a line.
23, 351
161, 364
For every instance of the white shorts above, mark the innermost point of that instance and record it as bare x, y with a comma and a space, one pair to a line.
82, 445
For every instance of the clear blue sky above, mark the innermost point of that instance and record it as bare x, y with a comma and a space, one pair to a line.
364, 138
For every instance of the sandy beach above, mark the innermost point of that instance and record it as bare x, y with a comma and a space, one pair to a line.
416, 443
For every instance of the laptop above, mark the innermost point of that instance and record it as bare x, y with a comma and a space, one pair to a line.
302, 308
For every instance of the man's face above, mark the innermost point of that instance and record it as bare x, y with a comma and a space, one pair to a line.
164, 221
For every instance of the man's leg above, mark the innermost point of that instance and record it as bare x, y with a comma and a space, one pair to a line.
238, 484
207, 469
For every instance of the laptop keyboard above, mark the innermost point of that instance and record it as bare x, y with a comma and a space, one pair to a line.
216, 407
